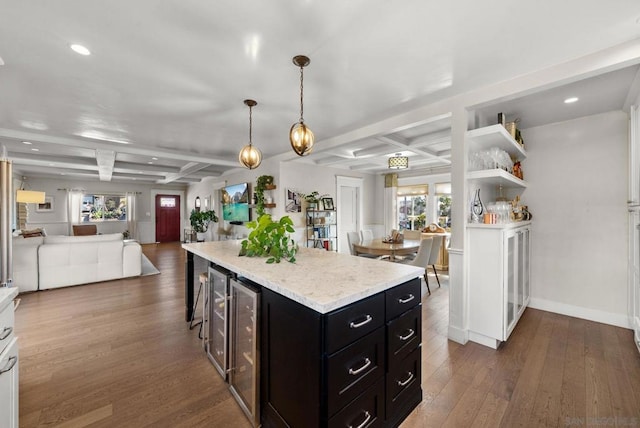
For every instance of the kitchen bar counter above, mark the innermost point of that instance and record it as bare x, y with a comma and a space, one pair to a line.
320, 280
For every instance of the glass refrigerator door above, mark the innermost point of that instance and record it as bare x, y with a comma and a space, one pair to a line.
244, 359
217, 333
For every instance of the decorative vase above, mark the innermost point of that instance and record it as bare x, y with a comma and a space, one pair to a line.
476, 208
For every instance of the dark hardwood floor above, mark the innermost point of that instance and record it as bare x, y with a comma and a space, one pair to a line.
119, 354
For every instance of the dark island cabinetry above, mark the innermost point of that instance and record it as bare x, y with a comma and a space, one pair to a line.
357, 366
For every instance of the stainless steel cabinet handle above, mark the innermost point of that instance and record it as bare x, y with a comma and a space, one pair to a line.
5, 333
367, 418
407, 336
367, 320
407, 299
367, 363
12, 362
406, 382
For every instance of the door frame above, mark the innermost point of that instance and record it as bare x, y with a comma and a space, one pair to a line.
358, 183
152, 211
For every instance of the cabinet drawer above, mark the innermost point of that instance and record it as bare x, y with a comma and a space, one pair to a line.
346, 325
404, 334
403, 384
353, 369
366, 411
402, 298
6, 326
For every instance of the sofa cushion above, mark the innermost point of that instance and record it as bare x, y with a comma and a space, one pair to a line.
61, 239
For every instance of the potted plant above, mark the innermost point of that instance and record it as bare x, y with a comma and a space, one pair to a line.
264, 182
313, 199
271, 239
200, 221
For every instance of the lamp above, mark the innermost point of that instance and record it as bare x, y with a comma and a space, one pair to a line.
29, 196
249, 156
300, 135
398, 162
197, 203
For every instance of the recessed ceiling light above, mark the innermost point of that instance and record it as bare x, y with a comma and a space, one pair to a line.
154, 158
52, 164
62, 173
28, 143
80, 50
571, 100
35, 150
150, 163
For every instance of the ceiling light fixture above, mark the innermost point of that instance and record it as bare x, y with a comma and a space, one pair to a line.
398, 162
249, 156
571, 100
79, 49
35, 150
28, 143
300, 135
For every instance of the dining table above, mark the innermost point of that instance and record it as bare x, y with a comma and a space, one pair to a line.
379, 247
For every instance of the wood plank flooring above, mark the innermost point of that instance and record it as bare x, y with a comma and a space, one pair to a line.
119, 354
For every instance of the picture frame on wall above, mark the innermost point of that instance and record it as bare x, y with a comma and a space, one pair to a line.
327, 203
292, 201
47, 206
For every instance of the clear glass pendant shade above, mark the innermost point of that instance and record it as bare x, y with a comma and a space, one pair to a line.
301, 139
250, 157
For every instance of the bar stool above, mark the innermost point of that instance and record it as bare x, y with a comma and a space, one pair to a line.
202, 278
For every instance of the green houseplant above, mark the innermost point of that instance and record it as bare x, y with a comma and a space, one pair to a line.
263, 183
200, 220
270, 238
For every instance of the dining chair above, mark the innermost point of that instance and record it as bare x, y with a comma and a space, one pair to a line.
422, 258
435, 251
366, 235
353, 238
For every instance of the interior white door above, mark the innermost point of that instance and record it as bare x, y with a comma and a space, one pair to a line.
348, 215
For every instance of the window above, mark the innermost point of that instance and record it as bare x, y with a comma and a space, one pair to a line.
443, 191
412, 207
97, 208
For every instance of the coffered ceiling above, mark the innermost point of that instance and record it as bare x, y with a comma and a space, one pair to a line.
160, 98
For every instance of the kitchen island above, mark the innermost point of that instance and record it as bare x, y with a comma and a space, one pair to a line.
340, 335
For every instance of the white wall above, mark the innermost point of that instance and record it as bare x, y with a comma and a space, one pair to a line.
56, 222
578, 178
298, 176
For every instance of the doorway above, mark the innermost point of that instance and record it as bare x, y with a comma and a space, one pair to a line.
167, 218
349, 209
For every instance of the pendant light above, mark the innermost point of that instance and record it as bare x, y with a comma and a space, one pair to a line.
300, 135
249, 156
398, 162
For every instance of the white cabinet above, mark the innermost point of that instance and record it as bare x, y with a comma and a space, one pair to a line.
499, 287
8, 361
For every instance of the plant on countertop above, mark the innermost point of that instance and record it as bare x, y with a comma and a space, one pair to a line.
200, 220
262, 183
270, 239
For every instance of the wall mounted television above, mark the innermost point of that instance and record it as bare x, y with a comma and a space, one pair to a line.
235, 203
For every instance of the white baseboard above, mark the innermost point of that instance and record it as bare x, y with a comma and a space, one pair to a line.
458, 335
619, 320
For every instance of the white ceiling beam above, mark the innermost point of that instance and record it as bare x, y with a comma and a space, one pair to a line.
121, 148
186, 170
404, 146
105, 160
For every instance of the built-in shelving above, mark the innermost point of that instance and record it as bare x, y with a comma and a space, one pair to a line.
495, 136
497, 177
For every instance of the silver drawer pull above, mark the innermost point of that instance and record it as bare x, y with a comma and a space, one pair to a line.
367, 418
407, 336
12, 362
367, 320
407, 299
5, 333
406, 382
367, 363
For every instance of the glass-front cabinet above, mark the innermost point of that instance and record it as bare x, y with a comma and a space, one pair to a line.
499, 287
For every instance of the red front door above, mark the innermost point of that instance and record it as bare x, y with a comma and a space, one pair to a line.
167, 218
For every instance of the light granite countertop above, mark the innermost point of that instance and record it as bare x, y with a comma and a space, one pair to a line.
7, 294
321, 280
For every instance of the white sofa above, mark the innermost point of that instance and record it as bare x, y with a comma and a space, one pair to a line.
41, 263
